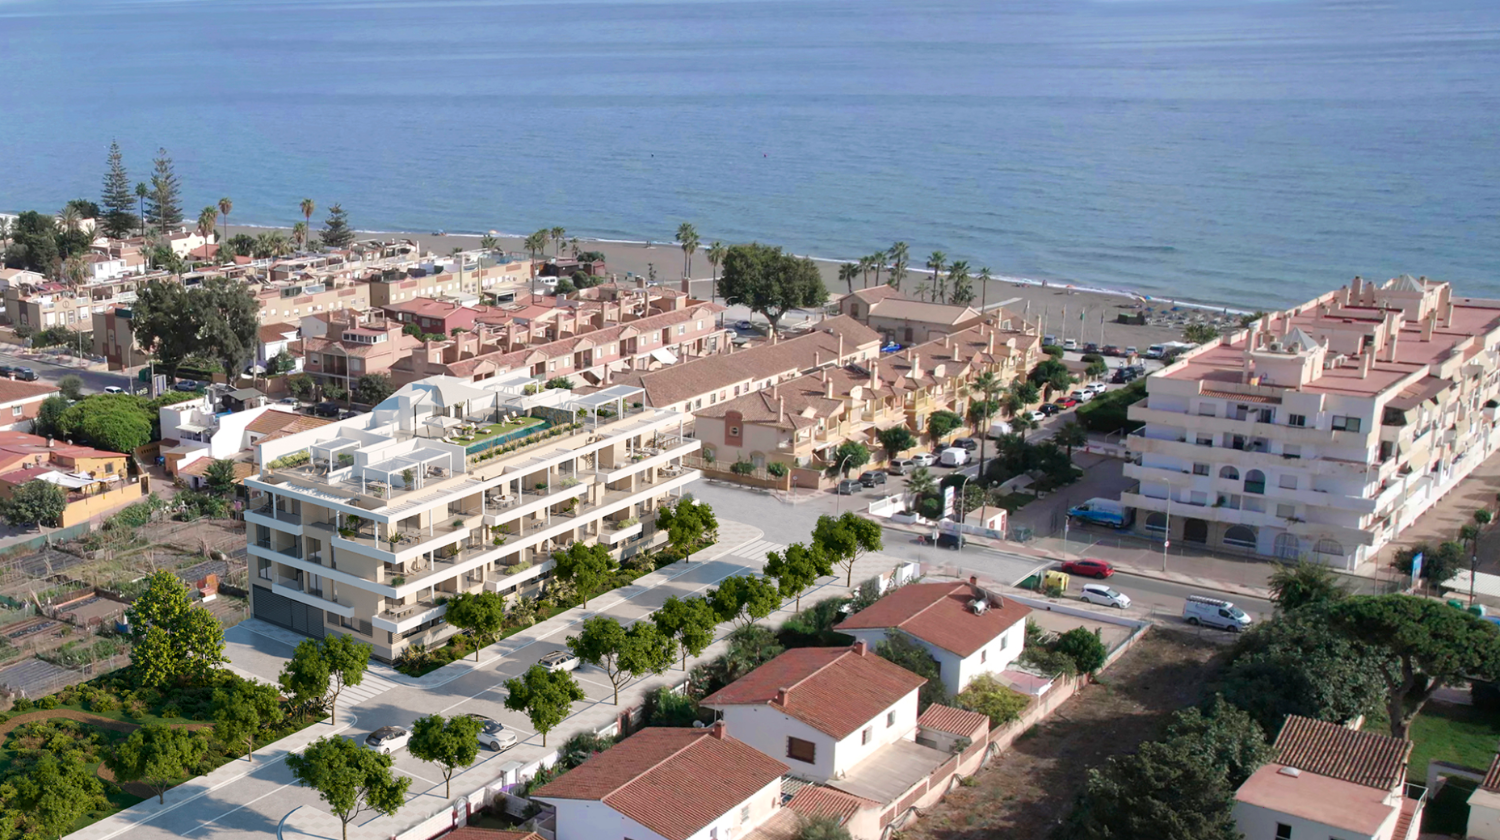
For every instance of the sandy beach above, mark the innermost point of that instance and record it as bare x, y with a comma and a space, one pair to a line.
1064, 312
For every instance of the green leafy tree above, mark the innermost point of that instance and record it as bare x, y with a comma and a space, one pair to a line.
71, 386
770, 282
220, 476
1199, 333
797, 568
903, 650
36, 502
1297, 664
302, 387
990, 697
306, 676
584, 566
620, 653
895, 440
942, 423
1162, 790
118, 198
845, 539
1303, 583
1223, 736
114, 422
688, 621
336, 231
157, 319
482, 614
545, 696
347, 660
849, 455
450, 744
744, 599
164, 202
1052, 374
46, 798
1083, 647
687, 524
174, 641
1070, 435
242, 710
349, 778
33, 243
48, 414
372, 388
158, 756
1433, 643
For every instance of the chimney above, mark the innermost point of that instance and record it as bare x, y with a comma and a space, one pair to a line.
1357, 289
916, 364
841, 348
817, 358
860, 648
1391, 346
50, 442
873, 382
719, 729
828, 388
781, 409
781, 696
1366, 361
1427, 325
773, 389
1448, 316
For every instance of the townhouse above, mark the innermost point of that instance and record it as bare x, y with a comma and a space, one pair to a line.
1319, 432
340, 347
366, 526
290, 300
967, 630
1329, 781
20, 402
903, 320
49, 304
93, 480
195, 430
799, 423
668, 784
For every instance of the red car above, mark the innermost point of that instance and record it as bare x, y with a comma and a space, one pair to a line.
1089, 568
1066, 403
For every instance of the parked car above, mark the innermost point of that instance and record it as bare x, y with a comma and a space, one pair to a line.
1096, 388
1122, 376
388, 739
1098, 593
1101, 511
1070, 344
559, 660
1110, 350
848, 487
6, 371
1081, 395
493, 734
1090, 347
744, 325
1089, 568
1049, 340
924, 459
953, 456
291, 401
871, 478
1050, 409
902, 466
186, 385
326, 409
1066, 403
1131, 351
26, 374
950, 540
1037, 416
969, 444
113, 389
1213, 612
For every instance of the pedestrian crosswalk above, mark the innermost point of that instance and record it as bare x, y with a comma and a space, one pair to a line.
370, 686
756, 549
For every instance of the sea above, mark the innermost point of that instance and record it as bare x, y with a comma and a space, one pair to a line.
1245, 153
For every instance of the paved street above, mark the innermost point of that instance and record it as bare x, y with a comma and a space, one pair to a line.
93, 380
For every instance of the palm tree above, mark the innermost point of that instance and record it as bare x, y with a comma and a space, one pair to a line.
558, 234
986, 383
864, 272
923, 289
488, 242
4, 233
1070, 435
225, 205
687, 237
140, 196
1023, 423
921, 483
307, 210
574, 247
984, 287
76, 270
299, 234
208, 219
69, 218
877, 261
847, 273
536, 245
900, 255
935, 261
958, 275
716, 253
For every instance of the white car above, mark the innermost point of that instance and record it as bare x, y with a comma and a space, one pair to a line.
924, 459
113, 389
1082, 395
1070, 344
1037, 417
1097, 387
388, 739
559, 660
1098, 593
291, 401
493, 734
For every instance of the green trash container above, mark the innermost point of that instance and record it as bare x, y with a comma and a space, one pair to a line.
1477, 609
1455, 603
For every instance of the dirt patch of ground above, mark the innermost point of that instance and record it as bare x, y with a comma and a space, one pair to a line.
1028, 790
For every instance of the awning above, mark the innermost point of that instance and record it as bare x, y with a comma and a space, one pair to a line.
444, 422
664, 356
192, 427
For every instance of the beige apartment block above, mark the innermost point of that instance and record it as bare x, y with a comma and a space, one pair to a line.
1320, 432
366, 526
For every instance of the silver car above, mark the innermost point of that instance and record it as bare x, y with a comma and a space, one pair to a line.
1104, 595
493, 734
388, 739
559, 660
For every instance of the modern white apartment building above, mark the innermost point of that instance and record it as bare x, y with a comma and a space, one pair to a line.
366, 526
1320, 432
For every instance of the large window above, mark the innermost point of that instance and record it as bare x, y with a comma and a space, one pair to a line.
801, 750
1240, 536
1345, 424
1255, 482
1229, 473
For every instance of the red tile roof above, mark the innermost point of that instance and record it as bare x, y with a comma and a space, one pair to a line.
960, 722
276, 332
672, 781
12, 390
939, 614
1338, 752
815, 801
834, 690
469, 832
1492, 778
20, 477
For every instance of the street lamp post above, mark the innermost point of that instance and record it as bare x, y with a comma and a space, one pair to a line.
958, 505
1166, 541
838, 500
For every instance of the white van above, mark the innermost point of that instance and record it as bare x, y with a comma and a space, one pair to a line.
1214, 612
953, 456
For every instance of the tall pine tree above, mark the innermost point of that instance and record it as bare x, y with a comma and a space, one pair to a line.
118, 198
336, 231
164, 204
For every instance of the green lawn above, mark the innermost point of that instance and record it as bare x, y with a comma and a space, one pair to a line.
1447, 732
494, 429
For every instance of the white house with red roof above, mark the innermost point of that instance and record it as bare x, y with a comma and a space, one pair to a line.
824, 710
668, 784
1330, 781
968, 630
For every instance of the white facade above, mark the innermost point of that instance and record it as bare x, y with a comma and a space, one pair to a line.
958, 671
588, 819
1259, 823
768, 730
1484, 815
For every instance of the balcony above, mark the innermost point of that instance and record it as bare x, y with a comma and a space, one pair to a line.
667, 449
395, 544
269, 550
612, 535
279, 520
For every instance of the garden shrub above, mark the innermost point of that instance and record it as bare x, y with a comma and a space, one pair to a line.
47, 703
22, 704
993, 699
171, 710
102, 702
1083, 646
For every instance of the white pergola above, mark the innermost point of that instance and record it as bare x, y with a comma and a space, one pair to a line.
614, 395
416, 461
330, 450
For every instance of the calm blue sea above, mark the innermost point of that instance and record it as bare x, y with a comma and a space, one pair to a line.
1238, 152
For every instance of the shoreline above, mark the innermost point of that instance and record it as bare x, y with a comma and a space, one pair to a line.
1084, 313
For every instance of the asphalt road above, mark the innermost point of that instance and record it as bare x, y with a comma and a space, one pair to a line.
1166, 596
94, 381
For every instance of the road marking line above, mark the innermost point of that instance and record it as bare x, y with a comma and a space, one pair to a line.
238, 807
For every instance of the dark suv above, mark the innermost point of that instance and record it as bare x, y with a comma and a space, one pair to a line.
326, 409
872, 478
